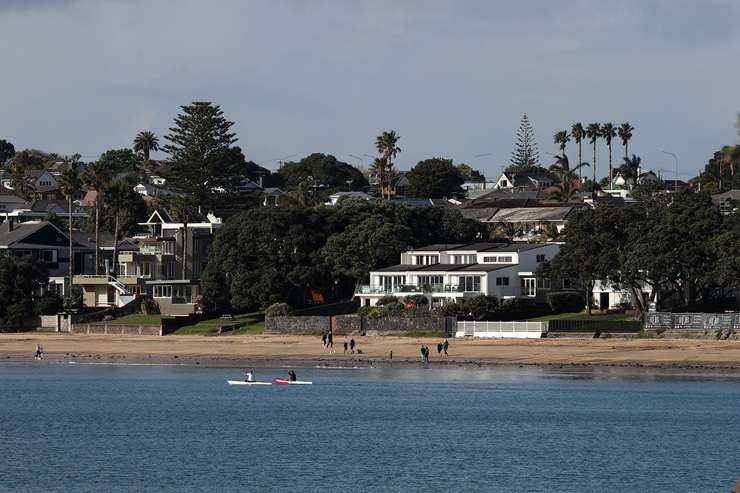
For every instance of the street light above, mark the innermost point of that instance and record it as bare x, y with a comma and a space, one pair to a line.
675, 158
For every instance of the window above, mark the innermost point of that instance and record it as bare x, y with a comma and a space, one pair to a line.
504, 183
144, 269
469, 283
393, 283
122, 269
566, 283
47, 255
181, 294
432, 282
502, 281
540, 258
163, 291
463, 259
490, 260
543, 283
427, 259
529, 286
507, 259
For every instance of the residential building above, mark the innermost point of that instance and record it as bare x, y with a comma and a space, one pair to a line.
152, 264
336, 197
44, 241
9, 201
447, 273
526, 180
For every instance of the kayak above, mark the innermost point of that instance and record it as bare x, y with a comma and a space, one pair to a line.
242, 382
281, 381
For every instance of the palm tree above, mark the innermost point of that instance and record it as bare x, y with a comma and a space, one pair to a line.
593, 132
117, 198
387, 146
625, 133
561, 138
608, 132
69, 185
23, 184
146, 142
578, 133
95, 177
630, 169
569, 184
184, 209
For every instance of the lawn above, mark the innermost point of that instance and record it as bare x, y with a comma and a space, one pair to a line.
138, 319
611, 317
252, 323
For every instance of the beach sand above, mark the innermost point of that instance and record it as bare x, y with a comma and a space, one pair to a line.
282, 350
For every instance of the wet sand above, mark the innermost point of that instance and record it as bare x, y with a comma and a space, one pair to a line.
282, 350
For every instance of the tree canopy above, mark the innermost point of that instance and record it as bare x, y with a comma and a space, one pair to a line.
119, 161
7, 151
435, 178
20, 278
201, 156
325, 170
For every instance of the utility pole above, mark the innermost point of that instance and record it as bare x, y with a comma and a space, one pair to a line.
675, 158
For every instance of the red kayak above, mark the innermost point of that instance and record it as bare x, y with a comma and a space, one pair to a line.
282, 381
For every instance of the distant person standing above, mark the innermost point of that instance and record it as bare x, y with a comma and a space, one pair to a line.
323, 339
423, 354
39, 352
352, 345
445, 346
345, 347
330, 342
439, 348
426, 354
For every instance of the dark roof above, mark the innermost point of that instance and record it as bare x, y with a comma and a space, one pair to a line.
414, 201
479, 214
20, 231
445, 268
527, 214
437, 247
399, 268
48, 205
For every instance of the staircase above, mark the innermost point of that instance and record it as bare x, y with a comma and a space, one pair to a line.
124, 297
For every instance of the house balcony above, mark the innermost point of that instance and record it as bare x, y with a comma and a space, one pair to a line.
93, 279
410, 289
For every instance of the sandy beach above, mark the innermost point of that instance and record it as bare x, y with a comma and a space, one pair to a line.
270, 350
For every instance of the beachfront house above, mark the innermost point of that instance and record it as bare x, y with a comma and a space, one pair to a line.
152, 264
446, 273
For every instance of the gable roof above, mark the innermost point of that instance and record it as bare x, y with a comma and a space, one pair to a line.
530, 214
25, 231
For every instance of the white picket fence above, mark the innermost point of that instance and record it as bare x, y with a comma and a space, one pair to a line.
516, 330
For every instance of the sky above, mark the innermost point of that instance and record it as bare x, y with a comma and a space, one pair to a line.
452, 78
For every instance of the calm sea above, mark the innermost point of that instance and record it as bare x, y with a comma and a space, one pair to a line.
158, 428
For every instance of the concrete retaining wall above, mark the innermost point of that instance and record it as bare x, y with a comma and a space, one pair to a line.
128, 330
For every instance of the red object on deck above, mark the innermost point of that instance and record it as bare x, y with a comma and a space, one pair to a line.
280, 381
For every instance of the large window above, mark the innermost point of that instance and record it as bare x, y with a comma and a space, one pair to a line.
163, 291
469, 283
427, 259
463, 259
540, 258
502, 281
504, 259
431, 281
392, 283
529, 286
182, 294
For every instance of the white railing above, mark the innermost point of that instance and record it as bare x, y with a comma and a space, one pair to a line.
521, 330
411, 288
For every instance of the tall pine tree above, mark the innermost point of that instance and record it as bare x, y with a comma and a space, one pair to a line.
525, 153
201, 158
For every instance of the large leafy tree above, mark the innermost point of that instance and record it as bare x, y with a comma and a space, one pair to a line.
7, 151
435, 178
199, 150
145, 143
20, 278
525, 153
577, 133
324, 169
608, 132
120, 161
593, 132
33, 159
387, 146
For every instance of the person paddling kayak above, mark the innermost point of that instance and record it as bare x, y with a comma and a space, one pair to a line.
292, 376
249, 376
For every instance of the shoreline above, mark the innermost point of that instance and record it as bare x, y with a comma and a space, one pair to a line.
627, 355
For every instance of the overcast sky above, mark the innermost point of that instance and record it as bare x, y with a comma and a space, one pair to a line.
452, 78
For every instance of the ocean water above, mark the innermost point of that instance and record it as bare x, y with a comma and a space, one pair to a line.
163, 428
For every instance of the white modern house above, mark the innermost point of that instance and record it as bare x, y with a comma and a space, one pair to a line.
446, 273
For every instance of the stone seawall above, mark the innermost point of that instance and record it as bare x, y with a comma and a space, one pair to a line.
128, 330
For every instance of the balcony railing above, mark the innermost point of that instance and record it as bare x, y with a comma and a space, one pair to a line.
411, 288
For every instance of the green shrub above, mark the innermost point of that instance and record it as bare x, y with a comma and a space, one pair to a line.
481, 307
416, 300
74, 300
387, 299
565, 301
49, 304
376, 312
278, 310
453, 309
150, 307
393, 309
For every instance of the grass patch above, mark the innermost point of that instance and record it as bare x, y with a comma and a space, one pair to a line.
253, 323
423, 333
610, 317
138, 319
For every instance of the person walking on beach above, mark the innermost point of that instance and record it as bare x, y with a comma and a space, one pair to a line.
330, 342
439, 348
426, 354
323, 339
423, 354
345, 347
352, 345
39, 352
445, 346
